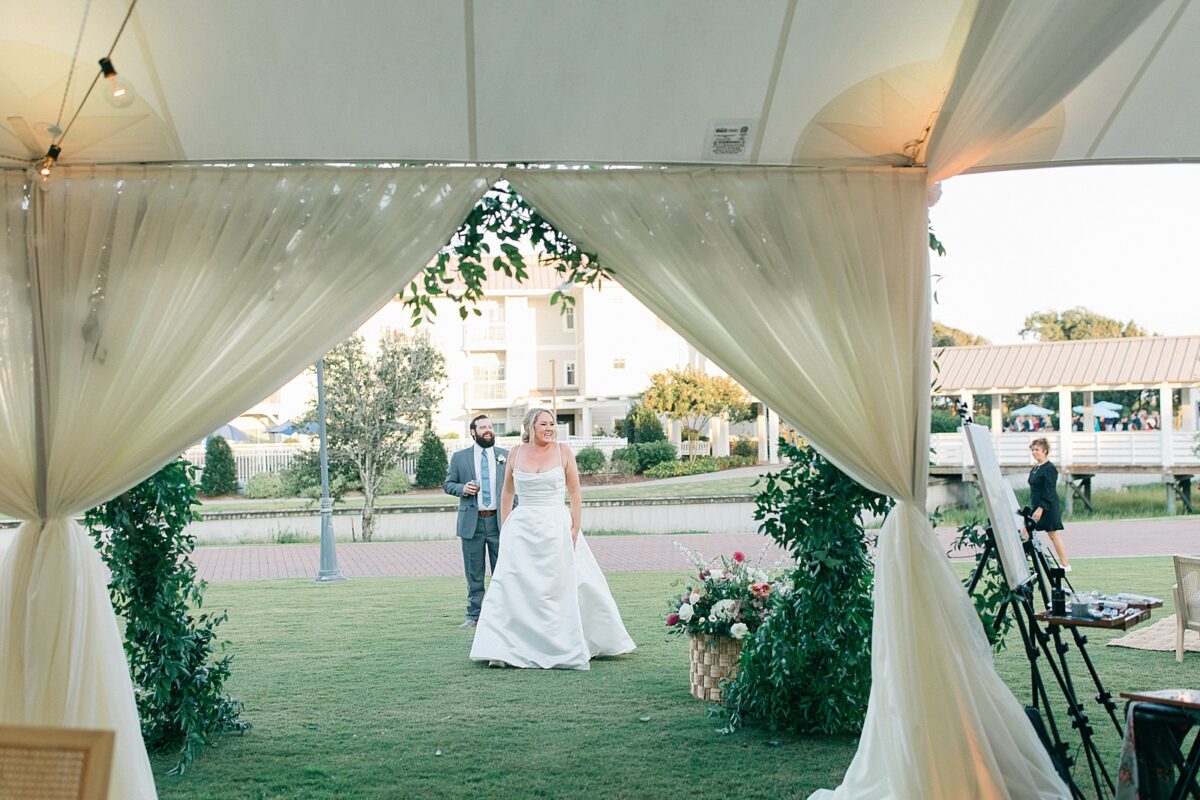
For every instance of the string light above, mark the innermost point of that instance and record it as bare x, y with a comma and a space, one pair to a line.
45, 167
120, 93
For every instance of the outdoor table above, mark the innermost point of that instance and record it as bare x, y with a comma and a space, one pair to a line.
1159, 724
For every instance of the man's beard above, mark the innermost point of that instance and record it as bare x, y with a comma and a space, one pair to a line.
485, 440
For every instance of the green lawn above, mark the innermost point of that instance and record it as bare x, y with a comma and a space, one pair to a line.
354, 688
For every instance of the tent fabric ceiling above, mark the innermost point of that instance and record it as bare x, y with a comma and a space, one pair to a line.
812, 83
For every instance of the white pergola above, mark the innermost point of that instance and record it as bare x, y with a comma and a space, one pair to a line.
287, 165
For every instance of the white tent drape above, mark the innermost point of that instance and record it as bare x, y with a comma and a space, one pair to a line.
1020, 59
812, 289
140, 308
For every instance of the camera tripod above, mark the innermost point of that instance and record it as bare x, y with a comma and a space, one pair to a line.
1045, 639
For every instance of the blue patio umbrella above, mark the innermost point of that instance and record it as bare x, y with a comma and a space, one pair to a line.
291, 427
1030, 409
1099, 410
230, 434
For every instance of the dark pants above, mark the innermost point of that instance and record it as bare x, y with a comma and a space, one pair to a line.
483, 546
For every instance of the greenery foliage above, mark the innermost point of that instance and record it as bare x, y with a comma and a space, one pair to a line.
264, 485
220, 470
947, 336
694, 397
822, 626
374, 405
747, 448
645, 455
590, 460
302, 477
175, 659
642, 425
432, 463
500, 217
674, 469
991, 591
395, 481
1077, 323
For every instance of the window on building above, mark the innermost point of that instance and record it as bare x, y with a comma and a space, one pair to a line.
569, 319
618, 363
569, 369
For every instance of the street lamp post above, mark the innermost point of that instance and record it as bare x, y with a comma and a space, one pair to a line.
554, 388
329, 567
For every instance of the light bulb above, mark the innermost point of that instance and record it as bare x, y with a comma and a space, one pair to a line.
118, 92
44, 168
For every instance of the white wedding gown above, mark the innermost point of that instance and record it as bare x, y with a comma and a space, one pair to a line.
548, 605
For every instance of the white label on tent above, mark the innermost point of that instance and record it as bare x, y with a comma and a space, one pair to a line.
729, 139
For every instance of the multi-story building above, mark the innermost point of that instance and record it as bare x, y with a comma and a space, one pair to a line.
587, 362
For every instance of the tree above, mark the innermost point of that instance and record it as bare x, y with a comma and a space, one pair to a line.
174, 656
946, 336
373, 407
1077, 323
431, 462
220, 469
642, 425
693, 397
503, 219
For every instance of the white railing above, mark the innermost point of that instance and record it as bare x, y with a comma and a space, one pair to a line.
1102, 448
252, 459
487, 390
702, 448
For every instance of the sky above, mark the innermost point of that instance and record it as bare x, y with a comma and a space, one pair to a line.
1123, 241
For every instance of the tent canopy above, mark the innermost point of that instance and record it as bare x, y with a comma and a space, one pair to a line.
532, 81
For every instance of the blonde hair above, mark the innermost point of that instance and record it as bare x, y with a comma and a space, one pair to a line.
530, 420
1042, 443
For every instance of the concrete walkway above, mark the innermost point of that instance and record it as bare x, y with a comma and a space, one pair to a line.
1154, 537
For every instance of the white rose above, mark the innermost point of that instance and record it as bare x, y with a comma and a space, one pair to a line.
759, 575
722, 610
716, 573
685, 612
694, 597
738, 630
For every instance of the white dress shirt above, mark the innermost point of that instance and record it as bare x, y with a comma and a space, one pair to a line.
493, 490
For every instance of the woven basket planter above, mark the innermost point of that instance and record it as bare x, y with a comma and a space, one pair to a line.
714, 659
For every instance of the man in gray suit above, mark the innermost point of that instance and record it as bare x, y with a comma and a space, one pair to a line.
476, 476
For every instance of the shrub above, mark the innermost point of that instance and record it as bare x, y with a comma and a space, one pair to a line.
264, 485
645, 455
942, 420
623, 467
822, 626
220, 470
745, 447
642, 425
174, 655
337, 490
674, 469
992, 590
395, 481
729, 462
432, 464
302, 477
590, 460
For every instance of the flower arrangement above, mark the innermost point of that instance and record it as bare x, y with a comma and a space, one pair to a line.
728, 598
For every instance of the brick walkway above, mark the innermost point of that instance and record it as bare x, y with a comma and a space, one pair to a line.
639, 553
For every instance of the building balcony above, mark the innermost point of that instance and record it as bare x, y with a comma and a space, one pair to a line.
485, 336
488, 390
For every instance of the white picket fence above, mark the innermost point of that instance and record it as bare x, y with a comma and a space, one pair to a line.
251, 459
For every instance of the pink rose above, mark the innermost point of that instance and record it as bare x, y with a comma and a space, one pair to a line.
672, 620
739, 556
760, 589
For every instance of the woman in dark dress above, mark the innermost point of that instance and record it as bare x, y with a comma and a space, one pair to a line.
1043, 497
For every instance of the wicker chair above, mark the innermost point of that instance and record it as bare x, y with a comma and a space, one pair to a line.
1187, 599
54, 763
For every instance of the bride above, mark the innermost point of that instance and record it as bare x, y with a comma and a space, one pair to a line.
548, 604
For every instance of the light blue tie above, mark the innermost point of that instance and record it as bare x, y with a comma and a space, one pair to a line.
485, 480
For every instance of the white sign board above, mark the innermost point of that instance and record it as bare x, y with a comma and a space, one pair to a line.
729, 140
1001, 504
